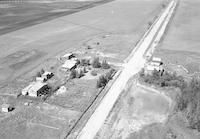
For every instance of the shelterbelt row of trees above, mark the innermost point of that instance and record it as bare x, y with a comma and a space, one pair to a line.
189, 100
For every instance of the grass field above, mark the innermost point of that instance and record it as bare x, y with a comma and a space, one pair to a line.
136, 109
181, 44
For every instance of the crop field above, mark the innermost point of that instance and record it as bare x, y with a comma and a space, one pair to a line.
181, 43
16, 14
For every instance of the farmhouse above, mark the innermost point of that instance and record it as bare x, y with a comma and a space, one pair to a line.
69, 64
156, 59
155, 64
34, 89
37, 89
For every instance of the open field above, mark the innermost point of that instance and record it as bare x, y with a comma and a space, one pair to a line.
17, 14
181, 44
109, 31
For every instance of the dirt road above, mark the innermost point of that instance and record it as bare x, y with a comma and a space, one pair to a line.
133, 66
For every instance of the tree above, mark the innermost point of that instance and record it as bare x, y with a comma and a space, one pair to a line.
105, 65
96, 63
93, 73
102, 81
79, 73
85, 62
42, 71
109, 74
84, 70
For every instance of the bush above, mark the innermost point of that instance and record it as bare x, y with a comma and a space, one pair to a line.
73, 74
102, 81
163, 5
93, 73
84, 70
79, 73
38, 74
84, 62
42, 71
109, 74
96, 63
167, 79
105, 65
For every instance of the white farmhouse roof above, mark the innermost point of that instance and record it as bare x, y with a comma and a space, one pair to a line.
69, 64
5, 108
156, 59
151, 68
154, 63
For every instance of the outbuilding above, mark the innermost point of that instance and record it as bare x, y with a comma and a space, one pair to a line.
37, 89
155, 64
47, 75
61, 90
69, 65
156, 59
6, 108
41, 79
67, 56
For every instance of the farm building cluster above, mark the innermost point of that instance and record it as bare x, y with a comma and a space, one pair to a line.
36, 88
154, 64
6, 108
70, 62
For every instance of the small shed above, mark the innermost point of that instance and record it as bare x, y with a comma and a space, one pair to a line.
156, 59
69, 64
37, 89
61, 90
47, 74
6, 108
155, 64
